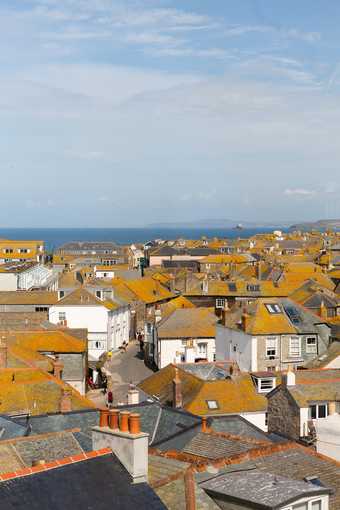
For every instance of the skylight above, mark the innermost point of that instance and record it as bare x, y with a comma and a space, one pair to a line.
273, 308
212, 404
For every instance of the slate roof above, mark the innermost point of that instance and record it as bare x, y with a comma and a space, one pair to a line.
18, 453
211, 446
267, 491
100, 482
296, 462
84, 420
238, 426
164, 424
10, 429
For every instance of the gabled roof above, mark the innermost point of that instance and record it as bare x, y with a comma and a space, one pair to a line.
188, 323
148, 290
57, 341
28, 297
82, 297
233, 395
30, 390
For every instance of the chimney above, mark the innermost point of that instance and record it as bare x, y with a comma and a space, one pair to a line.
133, 396
204, 424
205, 285
177, 399
225, 312
258, 270
332, 408
66, 400
57, 368
245, 321
323, 310
288, 379
121, 432
3, 353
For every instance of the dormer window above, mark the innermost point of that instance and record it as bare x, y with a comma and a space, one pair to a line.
263, 383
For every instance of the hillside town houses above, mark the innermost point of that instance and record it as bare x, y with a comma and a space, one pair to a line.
179, 373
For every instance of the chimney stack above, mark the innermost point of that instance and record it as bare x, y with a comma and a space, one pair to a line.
133, 396
288, 379
204, 424
121, 431
66, 400
323, 310
3, 353
245, 321
57, 367
177, 398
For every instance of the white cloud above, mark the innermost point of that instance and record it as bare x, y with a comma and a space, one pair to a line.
286, 33
300, 192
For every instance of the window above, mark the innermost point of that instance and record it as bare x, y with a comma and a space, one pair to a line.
311, 345
62, 316
99, 294
98, 344
212, 404
202, 349
41, 309
294, 346
317, 411
273, 308
219, 303
266, 384
253, 288
271, 347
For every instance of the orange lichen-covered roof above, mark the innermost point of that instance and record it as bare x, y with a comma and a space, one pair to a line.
148, 290
188, 323
30, 390
232, 395
175, 304
47, 341
226, 259
263, 322
22, 297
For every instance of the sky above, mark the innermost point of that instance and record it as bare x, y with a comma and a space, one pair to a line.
124, 113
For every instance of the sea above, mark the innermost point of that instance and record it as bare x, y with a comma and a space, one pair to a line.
55, 237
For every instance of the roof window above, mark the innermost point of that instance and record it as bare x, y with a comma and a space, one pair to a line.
273, 308
212, 404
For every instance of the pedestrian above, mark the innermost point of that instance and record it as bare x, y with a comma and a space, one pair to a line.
109, 399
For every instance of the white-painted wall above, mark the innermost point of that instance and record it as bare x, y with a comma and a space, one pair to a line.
170, 351
304, 417
8, 281
258, 419
328, 436
118, 328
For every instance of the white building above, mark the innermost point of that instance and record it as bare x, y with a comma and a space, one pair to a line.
107, 322
27, 276
185, 336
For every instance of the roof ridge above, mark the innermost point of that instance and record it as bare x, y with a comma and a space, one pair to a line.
54, 464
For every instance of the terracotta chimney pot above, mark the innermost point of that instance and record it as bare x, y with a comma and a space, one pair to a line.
104, 418
134, 423
204, 424
124, 421
114, 419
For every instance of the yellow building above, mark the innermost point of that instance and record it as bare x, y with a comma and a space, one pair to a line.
20, 250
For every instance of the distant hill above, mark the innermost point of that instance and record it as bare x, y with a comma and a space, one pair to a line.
219, 223
317, 225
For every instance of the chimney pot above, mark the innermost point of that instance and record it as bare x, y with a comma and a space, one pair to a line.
66, 401
204, 424
114, 419
124, 421
134, 423
104, 418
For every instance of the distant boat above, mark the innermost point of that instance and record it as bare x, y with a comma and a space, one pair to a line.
239, 226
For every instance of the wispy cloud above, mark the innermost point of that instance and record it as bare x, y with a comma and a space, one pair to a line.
289, 33
300, 192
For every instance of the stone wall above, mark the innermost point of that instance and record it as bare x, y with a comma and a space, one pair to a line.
283, 414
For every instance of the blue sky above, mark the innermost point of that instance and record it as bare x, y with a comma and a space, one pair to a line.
124, 113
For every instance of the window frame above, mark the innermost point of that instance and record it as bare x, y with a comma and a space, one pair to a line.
212, 404
274, 349
315, 345
218, 303
291, 351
